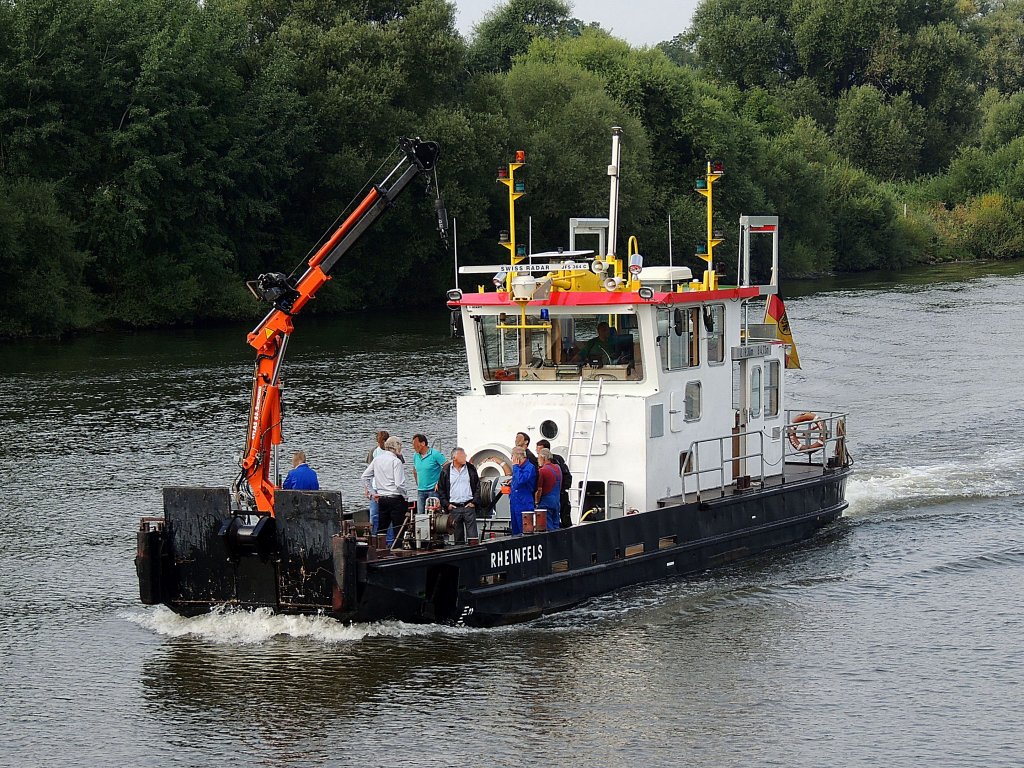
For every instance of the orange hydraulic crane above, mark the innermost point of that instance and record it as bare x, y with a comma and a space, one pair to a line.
254, 487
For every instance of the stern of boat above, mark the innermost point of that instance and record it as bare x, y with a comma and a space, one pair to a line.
201, 554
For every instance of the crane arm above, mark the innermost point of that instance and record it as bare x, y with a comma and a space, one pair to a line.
254, 486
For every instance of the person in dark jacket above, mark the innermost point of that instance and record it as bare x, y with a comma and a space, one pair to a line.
458, 489
523, 441
301, 477
566, 507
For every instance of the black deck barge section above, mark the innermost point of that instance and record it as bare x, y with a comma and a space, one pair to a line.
312, 558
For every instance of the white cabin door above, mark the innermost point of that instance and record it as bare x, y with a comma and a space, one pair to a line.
751, 416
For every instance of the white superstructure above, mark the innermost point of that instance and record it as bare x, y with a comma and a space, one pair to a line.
680, 393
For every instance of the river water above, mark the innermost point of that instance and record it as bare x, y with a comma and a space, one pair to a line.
895, 638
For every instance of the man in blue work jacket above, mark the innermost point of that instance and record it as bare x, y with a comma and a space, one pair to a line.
302, 477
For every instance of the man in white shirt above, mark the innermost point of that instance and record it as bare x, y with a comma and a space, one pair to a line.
458, 488
384, 479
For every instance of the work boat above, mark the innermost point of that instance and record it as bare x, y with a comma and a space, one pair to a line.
664, 394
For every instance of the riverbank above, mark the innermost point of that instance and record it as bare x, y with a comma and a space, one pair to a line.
434, 306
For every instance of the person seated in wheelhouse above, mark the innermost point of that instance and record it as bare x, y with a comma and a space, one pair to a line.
601, 348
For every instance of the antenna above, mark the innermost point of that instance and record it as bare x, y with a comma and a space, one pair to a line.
455, 243
613, 203
671, 284
529, 237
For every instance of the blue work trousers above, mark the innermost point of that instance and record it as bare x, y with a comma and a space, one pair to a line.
517, 522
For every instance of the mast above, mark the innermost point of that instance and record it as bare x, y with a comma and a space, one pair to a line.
706, 251
516, 189
613, 202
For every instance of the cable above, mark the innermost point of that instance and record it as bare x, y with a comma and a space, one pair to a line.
344, 212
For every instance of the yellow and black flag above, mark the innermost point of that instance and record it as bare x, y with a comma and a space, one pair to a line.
775, 313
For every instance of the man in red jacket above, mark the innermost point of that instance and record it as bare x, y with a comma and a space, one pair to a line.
565, 507
549, 488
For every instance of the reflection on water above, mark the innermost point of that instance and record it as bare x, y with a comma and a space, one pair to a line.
893, 638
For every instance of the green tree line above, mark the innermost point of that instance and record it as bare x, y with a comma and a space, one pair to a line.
154, 154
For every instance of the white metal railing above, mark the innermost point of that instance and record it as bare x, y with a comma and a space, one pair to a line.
814, 436
821, 439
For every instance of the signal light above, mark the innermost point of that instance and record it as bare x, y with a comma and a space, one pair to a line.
520, 156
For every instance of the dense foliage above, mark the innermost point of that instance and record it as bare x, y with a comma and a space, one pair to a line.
156, 153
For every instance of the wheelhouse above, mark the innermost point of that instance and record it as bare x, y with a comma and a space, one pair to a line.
651, 384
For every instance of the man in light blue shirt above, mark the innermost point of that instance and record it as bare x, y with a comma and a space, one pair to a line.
427, 463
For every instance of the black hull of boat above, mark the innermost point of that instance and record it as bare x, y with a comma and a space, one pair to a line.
311, 564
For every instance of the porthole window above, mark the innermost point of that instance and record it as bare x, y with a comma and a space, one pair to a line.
549, 429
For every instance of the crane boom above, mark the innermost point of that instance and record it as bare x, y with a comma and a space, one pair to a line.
254, 486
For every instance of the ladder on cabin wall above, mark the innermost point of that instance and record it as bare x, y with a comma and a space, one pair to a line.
581, 440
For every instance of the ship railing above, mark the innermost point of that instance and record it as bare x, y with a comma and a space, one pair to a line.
725, 461
737, 460
820, 440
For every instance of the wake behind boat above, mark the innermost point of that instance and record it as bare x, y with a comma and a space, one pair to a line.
664, 395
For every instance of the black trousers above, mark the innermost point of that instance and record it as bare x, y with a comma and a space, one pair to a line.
465, 515
392, 511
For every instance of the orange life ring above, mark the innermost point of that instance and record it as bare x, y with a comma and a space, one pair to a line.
810, 437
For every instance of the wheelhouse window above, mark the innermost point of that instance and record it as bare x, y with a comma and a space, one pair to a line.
771, 388
679, 337
559, 347
692, 401
714, 324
